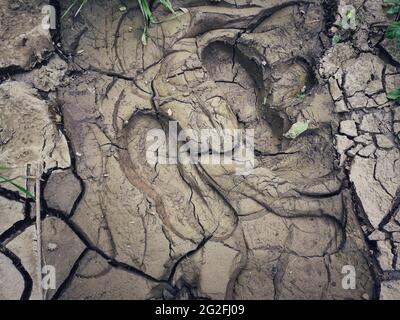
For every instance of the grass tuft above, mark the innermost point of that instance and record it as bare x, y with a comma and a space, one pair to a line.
144, 8
393, 33
394, 6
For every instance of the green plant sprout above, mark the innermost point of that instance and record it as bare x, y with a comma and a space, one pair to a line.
144, 8
336, 39
394, 6
393, 33
11, 181
343, 26
394, 95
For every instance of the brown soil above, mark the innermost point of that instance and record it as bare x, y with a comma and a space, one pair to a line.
81, 100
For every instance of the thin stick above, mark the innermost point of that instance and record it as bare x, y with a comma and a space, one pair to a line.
39, 231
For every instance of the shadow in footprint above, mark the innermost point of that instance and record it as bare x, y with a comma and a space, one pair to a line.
241, 80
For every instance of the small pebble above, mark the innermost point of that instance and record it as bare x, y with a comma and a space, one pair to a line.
52, 246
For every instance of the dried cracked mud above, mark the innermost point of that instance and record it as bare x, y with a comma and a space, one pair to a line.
80, 99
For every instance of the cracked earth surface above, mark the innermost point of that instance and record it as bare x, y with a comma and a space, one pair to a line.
80, 99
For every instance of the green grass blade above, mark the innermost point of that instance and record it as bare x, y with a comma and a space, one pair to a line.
167, 4
16, 185
144, 35
81, 6
69, 8
148, 18
146, 12
4, 168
